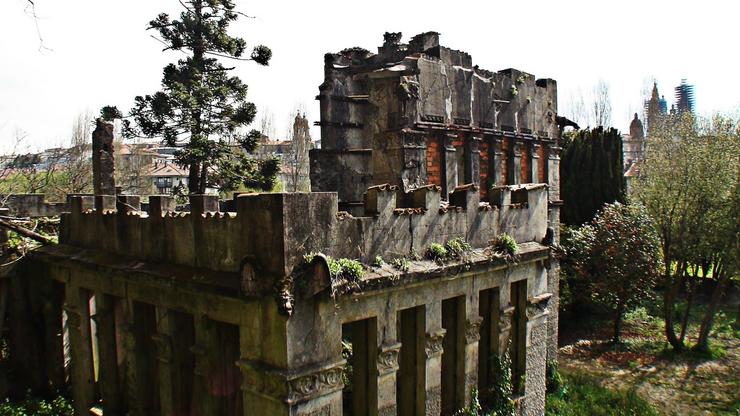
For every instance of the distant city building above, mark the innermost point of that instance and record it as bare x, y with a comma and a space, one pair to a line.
633, 144
656, 109
684, 97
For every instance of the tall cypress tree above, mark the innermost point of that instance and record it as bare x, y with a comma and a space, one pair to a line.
591, 174
200, 108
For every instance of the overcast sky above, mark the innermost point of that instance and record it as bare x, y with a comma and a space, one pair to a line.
97, 52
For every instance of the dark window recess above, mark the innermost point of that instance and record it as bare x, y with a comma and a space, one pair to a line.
432, 119
462, 121
164, 183
485, 125
519, 197
524, 130
507, 128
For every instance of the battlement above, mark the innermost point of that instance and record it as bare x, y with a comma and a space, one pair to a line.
274, 231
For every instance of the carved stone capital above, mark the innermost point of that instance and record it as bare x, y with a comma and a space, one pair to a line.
289, 386
316, 383
504, 318
472, 329
433, 343
388, 358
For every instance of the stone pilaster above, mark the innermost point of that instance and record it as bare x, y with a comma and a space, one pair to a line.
387, 369
514, 166
472, 160
449, 174
534, 163
497, 155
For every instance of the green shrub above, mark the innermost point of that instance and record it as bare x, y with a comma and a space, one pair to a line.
436, 252
506, 245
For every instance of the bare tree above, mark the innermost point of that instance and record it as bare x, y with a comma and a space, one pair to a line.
75, 174
267, 125
575, 108
601, 106
29, 173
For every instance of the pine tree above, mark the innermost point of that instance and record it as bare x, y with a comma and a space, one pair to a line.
200, 108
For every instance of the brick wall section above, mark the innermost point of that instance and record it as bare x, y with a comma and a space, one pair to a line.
523, 174
484, 185
434, 162
542, 163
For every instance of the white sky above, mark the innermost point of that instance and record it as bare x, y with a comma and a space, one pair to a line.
100, 53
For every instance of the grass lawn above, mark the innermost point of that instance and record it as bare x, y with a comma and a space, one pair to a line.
644, 365
584, 396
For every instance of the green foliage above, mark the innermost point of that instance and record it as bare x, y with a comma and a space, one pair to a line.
436, 252
474, 408
457, 247
619, 255
37, 407
201, 105
506, 245
401, 263
585, 397
378, 262
351, 270
347, 371
555, 384
308, 258
502, 403
590, 174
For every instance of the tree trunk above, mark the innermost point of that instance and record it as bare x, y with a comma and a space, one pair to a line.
203, 178
668, 302
618, 323
689, 302
702, 343
193, 178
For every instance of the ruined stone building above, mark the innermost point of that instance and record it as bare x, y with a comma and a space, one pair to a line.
264, 309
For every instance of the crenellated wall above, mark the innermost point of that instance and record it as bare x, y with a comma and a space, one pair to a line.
274, 231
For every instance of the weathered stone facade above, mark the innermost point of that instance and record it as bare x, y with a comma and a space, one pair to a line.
222, 313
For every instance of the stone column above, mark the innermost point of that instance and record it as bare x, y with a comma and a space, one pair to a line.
514, 166
102, 153
534, 163
82, 375
433, 353
108, 380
